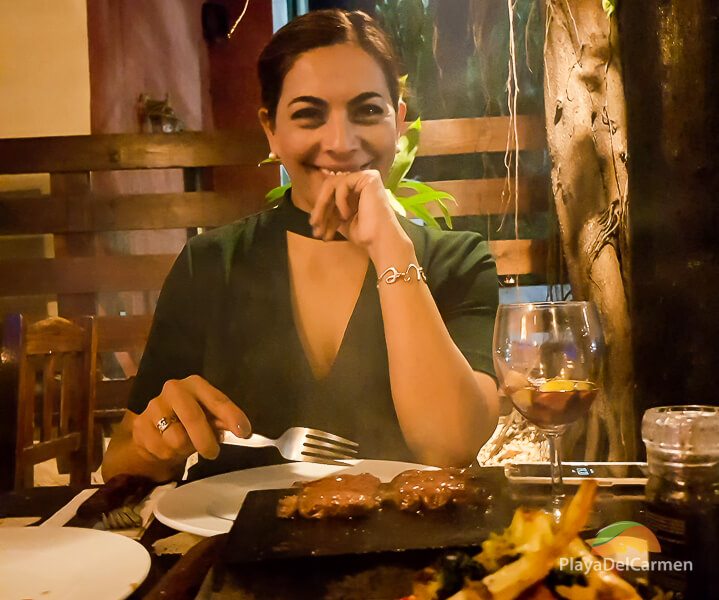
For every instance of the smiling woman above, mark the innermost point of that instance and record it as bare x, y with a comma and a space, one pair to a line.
330, 310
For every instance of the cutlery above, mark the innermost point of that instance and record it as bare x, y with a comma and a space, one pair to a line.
301, 444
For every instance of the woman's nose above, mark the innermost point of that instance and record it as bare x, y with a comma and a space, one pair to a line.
340, 135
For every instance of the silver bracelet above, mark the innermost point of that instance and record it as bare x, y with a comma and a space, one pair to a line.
391, 274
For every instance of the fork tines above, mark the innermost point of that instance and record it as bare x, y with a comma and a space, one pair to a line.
124, 517
323, 436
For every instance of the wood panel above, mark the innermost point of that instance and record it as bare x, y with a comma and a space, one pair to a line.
111, 152
94, 213
122, 334
519, 257
491, 196
83, 275
74, 244
111, 396
486, 134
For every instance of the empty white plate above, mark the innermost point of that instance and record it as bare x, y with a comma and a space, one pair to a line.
69, 563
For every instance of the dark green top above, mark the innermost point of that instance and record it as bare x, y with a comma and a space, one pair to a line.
225, 313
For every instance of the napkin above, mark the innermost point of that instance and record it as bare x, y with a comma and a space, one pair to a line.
18, 521
68, 511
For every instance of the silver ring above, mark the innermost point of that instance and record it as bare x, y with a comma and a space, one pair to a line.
165, 422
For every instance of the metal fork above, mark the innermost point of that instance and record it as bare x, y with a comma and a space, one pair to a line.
301, 443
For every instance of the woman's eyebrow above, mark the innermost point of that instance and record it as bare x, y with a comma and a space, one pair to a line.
308, 100
365, 96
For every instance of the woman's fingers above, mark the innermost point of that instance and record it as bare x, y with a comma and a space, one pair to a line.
219, 406
185, 406
148, 437
198, 410
324, 205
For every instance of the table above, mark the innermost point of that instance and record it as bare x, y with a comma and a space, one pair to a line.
613, 504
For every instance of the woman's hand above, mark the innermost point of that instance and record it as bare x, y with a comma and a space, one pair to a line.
357, 205
196, 412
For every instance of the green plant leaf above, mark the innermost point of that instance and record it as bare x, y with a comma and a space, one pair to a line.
276, 193
408, 144
609, 532
445, 212
609, 6
422, 212
396, 204
269, 161
424, 198
420, 187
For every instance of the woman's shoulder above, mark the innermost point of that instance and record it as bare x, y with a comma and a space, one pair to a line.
245, 232
441, 247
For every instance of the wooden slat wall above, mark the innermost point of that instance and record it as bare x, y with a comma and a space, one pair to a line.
486, 134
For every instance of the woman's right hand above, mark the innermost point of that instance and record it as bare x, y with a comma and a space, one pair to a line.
196, 412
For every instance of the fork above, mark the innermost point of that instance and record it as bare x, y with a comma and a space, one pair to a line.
302, 444
124, 517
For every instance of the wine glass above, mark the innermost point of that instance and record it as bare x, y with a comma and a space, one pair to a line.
548, 358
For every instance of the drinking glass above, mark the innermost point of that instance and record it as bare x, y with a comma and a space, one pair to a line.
548, 358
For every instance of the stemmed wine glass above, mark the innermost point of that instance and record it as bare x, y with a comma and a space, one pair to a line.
548, 358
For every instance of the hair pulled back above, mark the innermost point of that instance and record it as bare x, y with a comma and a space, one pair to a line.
318, 29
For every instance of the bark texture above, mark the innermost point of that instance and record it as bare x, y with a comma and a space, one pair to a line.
670, 63
586, 135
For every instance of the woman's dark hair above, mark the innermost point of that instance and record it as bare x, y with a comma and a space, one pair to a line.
317, 29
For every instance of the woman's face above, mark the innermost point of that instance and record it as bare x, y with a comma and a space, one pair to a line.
335, 113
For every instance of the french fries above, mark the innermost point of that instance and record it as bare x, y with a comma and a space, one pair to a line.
531, 535
512, 580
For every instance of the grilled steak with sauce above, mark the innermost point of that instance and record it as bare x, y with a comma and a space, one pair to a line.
356, 495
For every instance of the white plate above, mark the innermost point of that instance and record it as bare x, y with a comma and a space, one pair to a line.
68, 563
209, 506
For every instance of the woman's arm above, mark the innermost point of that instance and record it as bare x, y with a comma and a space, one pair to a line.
446, 410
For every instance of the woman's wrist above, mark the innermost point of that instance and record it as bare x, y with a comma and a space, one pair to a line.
393, 248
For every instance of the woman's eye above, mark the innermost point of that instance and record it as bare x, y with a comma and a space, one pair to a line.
307, 114
369, 110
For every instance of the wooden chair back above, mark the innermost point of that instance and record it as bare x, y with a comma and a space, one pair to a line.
48, 396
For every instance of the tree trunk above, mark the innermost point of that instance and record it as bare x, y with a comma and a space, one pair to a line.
587, 140
670, 62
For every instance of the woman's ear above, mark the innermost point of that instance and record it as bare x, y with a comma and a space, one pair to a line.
267, 126
401, 114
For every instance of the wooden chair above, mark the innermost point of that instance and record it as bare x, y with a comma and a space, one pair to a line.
47, 397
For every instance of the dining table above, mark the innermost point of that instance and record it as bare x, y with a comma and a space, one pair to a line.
208, 570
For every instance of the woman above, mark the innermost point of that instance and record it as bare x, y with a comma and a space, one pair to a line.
295, 316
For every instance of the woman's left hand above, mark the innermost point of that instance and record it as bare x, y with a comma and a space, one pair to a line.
357, 205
